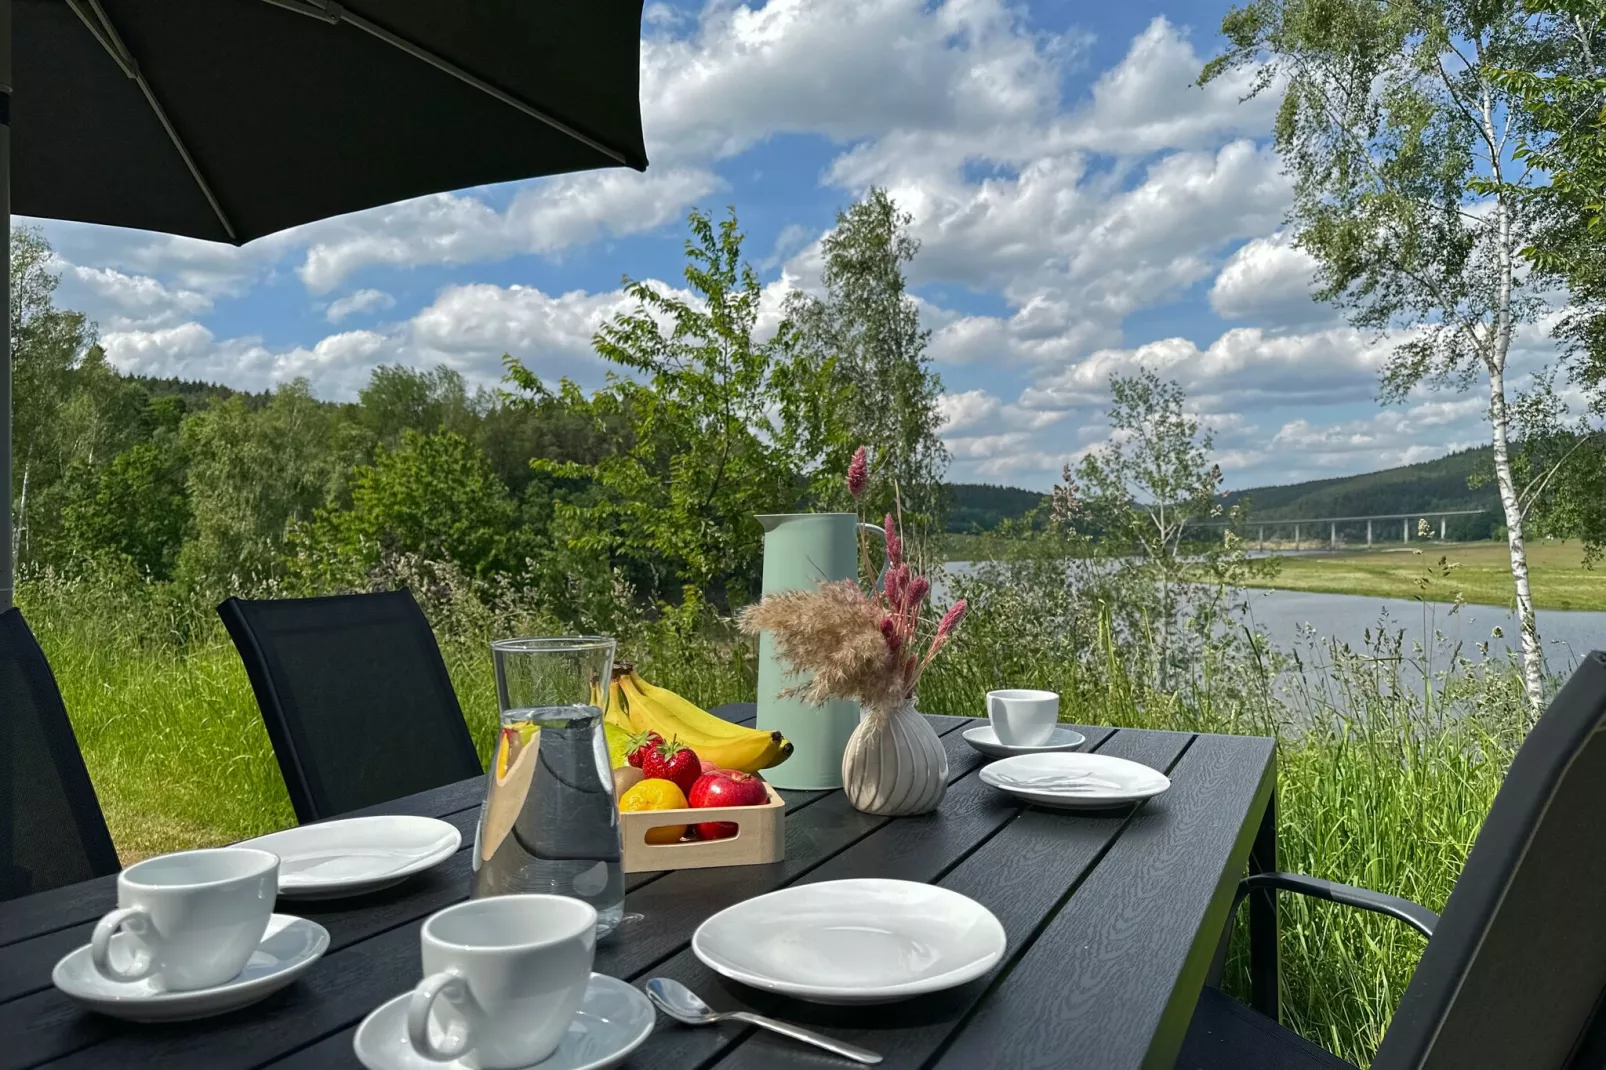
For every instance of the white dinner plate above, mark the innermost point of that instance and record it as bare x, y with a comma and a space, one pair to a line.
852, 941
613, 1019
289, 946
1075, 781
984, 739
332, 859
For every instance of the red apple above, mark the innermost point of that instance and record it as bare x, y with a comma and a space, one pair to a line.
710, 767
724, 787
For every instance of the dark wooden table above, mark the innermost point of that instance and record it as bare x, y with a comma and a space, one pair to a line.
1112, 918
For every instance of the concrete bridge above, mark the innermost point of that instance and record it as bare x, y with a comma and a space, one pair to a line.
1332, 522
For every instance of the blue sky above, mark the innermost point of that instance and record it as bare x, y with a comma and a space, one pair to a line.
1084, 210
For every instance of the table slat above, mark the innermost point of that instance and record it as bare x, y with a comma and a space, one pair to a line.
1113, 978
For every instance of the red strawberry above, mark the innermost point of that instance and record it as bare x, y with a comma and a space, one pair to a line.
673, 761
640, 744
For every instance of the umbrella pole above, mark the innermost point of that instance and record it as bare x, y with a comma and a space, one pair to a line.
7, 567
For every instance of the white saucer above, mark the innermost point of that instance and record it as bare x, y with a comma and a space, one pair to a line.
1075, 781
852, 941
333, 859
288, 947
984, 739
613, 1020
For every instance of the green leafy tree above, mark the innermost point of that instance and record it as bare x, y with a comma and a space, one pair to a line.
47, 344
431, 495
1139, 503
398, 398
1562, 134
705, 426
251, 474
136, 507
1399, 136
867, 329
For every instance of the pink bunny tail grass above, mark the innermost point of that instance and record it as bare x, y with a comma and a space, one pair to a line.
894, 587
916, 593
894, 543
950, 620
889, 632
858, 473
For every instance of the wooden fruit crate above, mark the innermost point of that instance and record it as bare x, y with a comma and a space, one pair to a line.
760, 837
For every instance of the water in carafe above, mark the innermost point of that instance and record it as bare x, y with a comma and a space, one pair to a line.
550, 823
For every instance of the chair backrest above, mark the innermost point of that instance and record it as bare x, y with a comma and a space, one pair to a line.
1516, 970
355, 697
51, 829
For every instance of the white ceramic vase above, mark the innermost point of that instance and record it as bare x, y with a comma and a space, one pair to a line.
895, 765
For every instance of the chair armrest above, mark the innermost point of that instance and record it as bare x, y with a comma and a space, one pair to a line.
1415, 915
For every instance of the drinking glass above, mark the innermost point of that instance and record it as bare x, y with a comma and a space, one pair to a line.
549, 823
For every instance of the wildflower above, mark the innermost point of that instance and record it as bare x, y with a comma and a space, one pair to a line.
894, 543
951, 619
858, 473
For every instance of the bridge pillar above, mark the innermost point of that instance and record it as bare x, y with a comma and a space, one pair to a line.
1441, 528
1368, 533
1296, 536
1262, 536
1405, 531
1332, 534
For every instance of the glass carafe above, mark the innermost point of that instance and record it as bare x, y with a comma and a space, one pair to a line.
549, 822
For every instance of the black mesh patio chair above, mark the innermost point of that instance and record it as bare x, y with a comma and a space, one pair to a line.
355, 697
51, 829
1514, 973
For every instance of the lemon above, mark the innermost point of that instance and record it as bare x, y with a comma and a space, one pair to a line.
656, 795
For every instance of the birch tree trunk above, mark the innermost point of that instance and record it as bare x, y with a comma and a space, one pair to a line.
1499, 417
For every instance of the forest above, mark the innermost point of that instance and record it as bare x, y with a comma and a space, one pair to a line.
581, 499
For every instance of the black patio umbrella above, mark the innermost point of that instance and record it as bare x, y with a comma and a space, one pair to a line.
231, 119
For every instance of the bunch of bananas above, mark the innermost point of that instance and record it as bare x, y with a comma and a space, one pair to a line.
638, 706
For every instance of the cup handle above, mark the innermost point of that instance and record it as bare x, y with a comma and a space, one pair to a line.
452, 985
100, 945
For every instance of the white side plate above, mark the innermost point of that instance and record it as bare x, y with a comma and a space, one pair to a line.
852, 941
1075, 781
289, 946
984, 739
613, 1020
332, 859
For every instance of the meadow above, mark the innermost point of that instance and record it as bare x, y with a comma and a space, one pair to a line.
1481, 573
1385, 774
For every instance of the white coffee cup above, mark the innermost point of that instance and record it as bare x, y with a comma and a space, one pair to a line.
1023, 717
191, 919
512, 971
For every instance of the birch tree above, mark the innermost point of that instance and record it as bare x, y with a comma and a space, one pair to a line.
1399, 137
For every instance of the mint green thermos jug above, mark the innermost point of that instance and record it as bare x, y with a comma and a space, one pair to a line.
800, 551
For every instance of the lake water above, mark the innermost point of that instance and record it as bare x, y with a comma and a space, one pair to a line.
1281, 616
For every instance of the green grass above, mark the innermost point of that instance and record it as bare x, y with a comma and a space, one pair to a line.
1391, 799
1480, 573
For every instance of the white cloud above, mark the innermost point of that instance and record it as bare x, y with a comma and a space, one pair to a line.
338, 365
847, 70
461, 228
960, 411
117, 300
1268, 280
358, 301
1149, 102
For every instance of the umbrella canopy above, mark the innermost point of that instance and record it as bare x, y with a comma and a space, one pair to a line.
231, 119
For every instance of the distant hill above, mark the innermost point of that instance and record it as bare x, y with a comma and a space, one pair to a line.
973, 506
1432, 485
